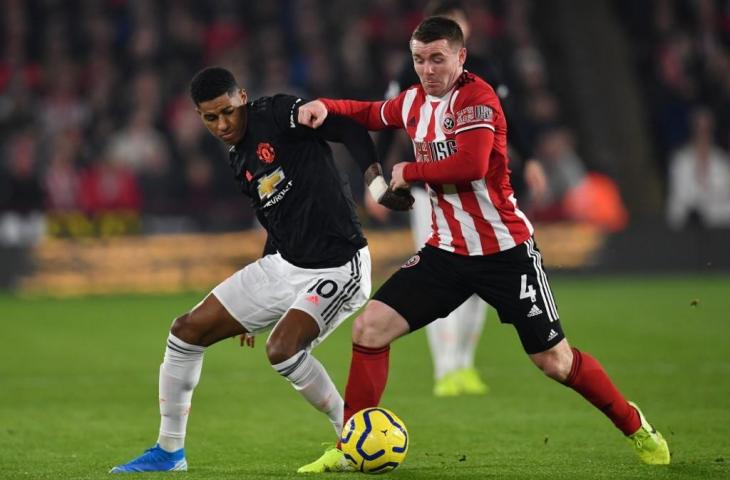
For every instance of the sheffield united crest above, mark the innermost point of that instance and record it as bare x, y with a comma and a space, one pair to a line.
448, 124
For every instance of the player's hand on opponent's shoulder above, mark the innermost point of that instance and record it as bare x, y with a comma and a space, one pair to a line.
312, 114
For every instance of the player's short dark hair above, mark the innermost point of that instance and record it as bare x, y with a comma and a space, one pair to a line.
441, 8
210, 83
437, 28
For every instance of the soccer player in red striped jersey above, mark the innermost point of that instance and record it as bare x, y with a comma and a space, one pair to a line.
480, 242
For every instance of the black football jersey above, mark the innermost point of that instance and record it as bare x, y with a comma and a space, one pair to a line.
300, 197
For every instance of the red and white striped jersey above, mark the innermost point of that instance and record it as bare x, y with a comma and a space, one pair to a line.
460, 146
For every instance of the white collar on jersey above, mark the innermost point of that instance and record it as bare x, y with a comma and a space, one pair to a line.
445, 96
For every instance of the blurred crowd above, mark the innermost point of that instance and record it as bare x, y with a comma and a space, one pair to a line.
682, 50
95, 115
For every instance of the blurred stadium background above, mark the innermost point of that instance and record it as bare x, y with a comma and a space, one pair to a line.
110, 184
104, 165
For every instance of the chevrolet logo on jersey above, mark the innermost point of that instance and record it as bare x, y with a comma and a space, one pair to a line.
268, 183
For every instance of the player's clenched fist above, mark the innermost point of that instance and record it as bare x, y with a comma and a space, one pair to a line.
312, 114
400, 199
397, 181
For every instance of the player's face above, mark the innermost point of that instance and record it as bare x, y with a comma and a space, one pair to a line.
224, 116
438, 65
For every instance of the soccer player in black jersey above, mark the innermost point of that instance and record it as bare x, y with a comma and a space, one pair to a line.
316, 268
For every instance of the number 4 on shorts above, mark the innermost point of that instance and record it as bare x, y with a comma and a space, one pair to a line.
526, 291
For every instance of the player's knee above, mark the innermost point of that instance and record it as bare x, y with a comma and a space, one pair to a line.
186, 329
182, 327
555, 371
554, 364
369, 330
279, 350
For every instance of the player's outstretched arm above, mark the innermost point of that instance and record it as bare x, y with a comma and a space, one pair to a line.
357, 140
372, 115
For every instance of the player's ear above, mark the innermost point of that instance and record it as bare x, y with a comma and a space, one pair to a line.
462, 56
238, 98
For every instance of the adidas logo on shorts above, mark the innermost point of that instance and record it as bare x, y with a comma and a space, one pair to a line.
552, 335
535, 310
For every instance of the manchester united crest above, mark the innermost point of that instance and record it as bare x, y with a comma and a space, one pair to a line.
265, 152
448, 124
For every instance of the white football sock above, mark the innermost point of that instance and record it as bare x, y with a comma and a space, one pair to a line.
472, 315
179, 374
453, 340
311, 380
441, 335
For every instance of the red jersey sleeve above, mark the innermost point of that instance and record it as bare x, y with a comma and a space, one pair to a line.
477, 106
372, 115
477, 113
470, 162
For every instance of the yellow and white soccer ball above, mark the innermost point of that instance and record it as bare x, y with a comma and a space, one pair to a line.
374, 440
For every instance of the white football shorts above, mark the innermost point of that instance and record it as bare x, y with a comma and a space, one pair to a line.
262, 292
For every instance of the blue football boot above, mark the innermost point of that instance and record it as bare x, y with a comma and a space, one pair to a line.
155, 459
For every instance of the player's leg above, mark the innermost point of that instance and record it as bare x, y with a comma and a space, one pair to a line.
471, 316
523, 298
207, 323
369, 365
559, 361
372, 333
325, 302
443, 334
581, 372
442, 342
584, 374
425, 288
191, 333
289, 354
422, 290
452, 341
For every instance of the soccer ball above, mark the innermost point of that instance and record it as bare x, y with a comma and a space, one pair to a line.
374, 440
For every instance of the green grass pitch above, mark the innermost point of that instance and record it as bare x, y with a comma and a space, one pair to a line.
78, 391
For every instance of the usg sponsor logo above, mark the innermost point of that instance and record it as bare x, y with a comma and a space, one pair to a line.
434, 151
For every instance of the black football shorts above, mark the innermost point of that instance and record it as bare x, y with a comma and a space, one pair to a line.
434, 282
